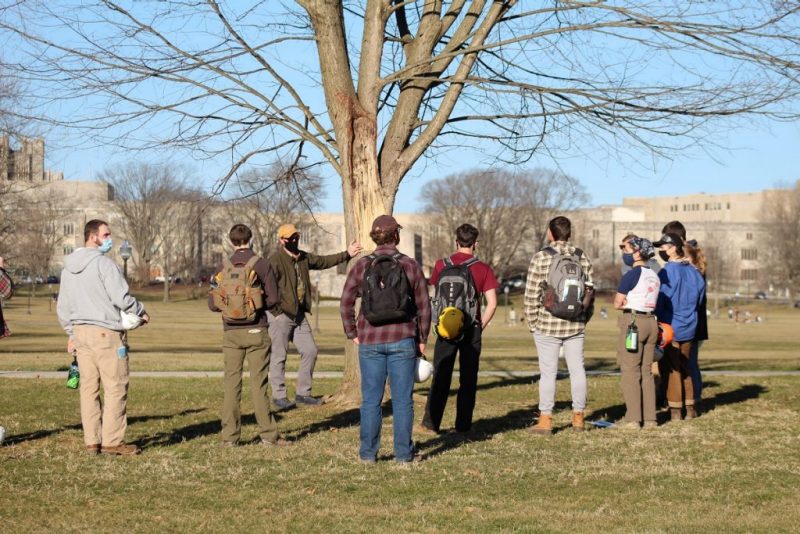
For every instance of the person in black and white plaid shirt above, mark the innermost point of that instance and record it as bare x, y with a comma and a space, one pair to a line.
552, 333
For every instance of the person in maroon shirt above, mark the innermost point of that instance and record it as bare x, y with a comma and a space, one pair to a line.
389, 350
468, 346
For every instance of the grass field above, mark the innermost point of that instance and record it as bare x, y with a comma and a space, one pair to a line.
736, 468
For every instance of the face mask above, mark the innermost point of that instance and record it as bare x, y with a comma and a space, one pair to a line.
663, 255
106, 246
292, 246
627, 259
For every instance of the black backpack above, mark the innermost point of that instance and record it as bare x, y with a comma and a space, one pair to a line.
566, 285
455, 288
385, 291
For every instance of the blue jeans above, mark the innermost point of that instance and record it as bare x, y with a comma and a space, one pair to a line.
396, 361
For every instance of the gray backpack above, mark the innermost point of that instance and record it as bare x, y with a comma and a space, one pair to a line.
566, 285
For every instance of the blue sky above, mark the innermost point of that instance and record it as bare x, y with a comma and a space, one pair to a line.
748, 159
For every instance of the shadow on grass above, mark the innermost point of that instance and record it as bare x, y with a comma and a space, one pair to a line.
742, 394
41, 434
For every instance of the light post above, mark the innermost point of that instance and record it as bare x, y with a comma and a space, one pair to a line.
125, 251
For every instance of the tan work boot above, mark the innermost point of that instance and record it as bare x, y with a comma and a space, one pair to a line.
544, 426
577, 422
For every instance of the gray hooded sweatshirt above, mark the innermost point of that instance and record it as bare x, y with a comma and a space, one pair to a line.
93, 291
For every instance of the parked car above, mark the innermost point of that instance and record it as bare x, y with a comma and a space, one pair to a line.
515, 284
797, 304
52, 279
760, 295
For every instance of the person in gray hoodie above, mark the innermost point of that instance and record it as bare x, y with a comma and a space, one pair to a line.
92, 294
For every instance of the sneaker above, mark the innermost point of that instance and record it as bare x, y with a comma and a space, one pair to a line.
650, 424
544, 426
307, 400
93, 449
577, 422
367, 461
123, 449
278, 442
691, 413
675, 414
230, 443
283, 403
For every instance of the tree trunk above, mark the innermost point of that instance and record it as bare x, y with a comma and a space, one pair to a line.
364, 201
166, 286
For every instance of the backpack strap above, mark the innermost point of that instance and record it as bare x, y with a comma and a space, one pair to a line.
227, 263
551, 251
447, 261
251, 263
578, 253
472, 261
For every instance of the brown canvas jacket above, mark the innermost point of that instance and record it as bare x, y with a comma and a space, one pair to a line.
286, 276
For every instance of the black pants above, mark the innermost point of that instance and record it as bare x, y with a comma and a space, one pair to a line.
444, 359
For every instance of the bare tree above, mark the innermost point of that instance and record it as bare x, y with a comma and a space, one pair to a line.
147, 198
403, 79
266, 198
511, 210
178, 239
781, 208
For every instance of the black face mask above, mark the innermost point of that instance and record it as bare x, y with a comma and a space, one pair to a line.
663, 255
292, 246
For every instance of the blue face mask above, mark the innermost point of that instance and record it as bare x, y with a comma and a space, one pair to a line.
106, 246
627, 259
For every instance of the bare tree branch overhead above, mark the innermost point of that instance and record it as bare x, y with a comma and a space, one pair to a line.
372, 87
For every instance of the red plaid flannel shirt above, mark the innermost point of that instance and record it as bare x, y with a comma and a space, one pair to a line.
6, 286
418, 328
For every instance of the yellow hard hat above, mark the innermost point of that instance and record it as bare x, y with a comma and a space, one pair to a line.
451, 323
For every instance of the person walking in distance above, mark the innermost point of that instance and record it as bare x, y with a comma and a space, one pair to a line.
461, 282
287, 318
558, 304
242, 288
92, 293
391, 328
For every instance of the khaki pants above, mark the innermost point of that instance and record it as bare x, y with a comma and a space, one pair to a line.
638, 387
253, 344
282, 330
100, 363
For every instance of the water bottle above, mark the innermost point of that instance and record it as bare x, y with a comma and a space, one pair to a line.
632, 337
74, 375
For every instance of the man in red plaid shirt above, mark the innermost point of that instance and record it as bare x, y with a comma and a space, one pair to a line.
6, 290
387, 350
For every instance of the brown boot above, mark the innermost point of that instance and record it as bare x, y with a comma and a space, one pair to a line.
544, 426
675, 414
577, 422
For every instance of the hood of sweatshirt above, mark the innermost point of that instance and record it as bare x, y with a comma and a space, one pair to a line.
80, 259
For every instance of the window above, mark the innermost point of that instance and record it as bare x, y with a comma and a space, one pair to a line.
729, 205
67, 250
749, 274
749, 236
216, 258
595, 233
749, 253
305, 236
215, 237
69, 229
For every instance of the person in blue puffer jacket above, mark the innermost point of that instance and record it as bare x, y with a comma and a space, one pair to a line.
682, 290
